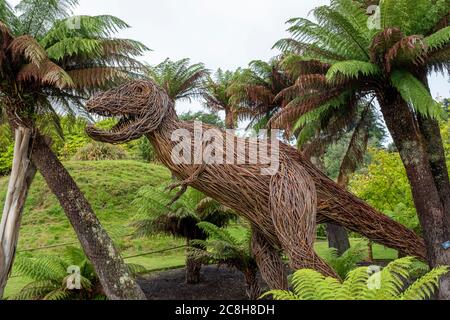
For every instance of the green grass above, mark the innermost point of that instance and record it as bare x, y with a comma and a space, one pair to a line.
110, 187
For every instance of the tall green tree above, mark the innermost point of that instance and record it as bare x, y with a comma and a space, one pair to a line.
49, 64
253, 91
345, 59
217, 96
180, 79
160, 215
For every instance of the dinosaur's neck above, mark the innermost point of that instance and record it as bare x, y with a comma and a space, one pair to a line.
161, 139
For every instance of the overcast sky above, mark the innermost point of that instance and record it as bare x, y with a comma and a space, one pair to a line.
220, 33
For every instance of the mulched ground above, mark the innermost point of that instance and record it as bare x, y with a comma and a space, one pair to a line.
217, 284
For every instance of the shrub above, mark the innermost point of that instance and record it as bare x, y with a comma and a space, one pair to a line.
146, 150
6, 159
50, 275
346, 262
97, 151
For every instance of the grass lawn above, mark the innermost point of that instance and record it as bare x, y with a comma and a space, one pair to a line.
111, 187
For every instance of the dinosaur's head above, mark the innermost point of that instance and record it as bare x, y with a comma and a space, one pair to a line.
140, 107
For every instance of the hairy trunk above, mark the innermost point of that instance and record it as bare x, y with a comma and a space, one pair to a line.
337, 238
370, 251
431, 133
337, 235
253, 289
193, 268
435, 148
22, 175
405, 133
229, 119
114, 275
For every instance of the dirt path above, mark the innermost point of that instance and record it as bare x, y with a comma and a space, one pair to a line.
217, 284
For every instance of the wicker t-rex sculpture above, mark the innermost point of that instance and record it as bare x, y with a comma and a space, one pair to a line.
283, 209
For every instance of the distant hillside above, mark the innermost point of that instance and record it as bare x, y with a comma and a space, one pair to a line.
110, 186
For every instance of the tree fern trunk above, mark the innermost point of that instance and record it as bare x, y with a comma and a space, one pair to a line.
98, 246
337, 235
409, 142
193, 268
337, 238
436, 153
431, 132
229, 119
252, 284
22, 174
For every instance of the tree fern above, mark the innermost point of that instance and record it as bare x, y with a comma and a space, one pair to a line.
390, 284
49, 275
180, 79
223, 249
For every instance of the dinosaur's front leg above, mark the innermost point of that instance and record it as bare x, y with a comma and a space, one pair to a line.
183, 185
293, 206
270, 263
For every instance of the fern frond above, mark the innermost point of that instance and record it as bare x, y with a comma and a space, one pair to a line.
414, 92
352, 69
438, 40
425, 287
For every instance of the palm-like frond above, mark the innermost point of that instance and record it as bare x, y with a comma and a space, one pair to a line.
51, 274
357, 147
59, 60
180, 79
159, 215
37, 16
352, 69
222, 248
216, 95
414, 92
360, 284
254, 90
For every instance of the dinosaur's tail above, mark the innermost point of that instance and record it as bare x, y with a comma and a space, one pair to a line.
337, 205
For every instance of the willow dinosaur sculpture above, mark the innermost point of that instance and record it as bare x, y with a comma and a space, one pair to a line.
283, 208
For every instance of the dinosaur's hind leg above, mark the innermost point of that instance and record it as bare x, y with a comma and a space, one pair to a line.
269, 261
293, 205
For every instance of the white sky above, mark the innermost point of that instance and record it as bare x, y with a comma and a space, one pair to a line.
220, 33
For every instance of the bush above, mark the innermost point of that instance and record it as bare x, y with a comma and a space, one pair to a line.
385, 186
97, 151
395, 282
6, 159
146, 150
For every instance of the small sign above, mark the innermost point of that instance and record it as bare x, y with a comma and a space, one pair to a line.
446, 245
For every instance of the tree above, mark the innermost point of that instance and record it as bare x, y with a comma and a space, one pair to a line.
180, 79
162, 216
384, 185
342, 61
52, 280
208, 118
223, 249
362, 284
217, 96
49, 64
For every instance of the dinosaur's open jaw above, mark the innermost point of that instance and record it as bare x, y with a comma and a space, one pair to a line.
139, 106
123, 131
